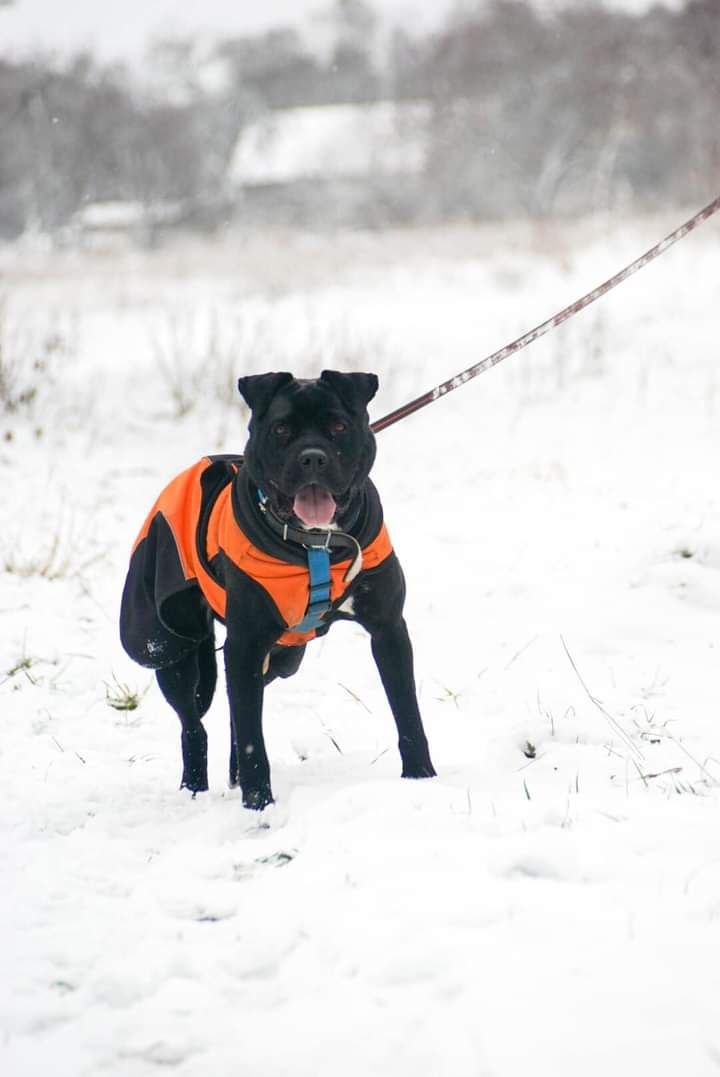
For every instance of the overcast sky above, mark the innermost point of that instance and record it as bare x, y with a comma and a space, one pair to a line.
122, 30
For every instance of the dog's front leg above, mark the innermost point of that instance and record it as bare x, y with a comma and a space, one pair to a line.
393, 656
249, 764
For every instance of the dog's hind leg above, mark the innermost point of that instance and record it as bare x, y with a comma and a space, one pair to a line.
188, 686
207, 679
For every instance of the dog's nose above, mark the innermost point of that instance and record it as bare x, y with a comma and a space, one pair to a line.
313, 461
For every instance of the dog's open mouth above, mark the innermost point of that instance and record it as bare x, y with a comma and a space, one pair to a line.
314, 506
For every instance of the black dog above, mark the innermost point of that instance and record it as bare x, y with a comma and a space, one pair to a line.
278, 544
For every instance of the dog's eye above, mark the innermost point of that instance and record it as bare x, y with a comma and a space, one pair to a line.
281, 430
338, 427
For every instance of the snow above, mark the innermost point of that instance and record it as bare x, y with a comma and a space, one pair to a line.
550, 904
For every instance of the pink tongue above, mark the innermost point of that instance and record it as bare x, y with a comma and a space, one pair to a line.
314, 506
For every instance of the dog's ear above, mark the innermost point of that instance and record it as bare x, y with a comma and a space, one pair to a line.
258, 390
355, 390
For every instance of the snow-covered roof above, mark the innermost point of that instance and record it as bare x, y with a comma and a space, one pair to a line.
124, 215
332, 141
111, 214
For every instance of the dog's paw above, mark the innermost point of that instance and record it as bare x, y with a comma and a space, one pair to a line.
419, 770
195, 783
257, 799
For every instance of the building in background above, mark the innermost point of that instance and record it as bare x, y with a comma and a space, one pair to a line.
331, 159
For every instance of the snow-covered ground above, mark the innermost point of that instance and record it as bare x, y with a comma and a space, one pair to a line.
550, 904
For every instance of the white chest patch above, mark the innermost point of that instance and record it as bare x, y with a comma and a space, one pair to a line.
348, 606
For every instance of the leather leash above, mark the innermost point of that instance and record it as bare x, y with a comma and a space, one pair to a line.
551, 323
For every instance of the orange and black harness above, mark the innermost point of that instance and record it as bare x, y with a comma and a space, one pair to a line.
210, 515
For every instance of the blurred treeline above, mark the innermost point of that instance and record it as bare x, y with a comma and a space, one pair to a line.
530, 114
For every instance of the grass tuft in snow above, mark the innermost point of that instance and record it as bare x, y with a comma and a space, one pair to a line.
449, 695
121, 697
56, 556
29, 360
22, 664
52, 562
22, 667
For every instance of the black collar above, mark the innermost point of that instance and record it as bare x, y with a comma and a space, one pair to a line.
327, 538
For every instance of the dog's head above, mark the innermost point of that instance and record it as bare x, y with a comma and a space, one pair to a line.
311, 447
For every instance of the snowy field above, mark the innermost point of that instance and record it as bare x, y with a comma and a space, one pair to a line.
550, 904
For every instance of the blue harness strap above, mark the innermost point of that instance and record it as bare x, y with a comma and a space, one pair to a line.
320, 602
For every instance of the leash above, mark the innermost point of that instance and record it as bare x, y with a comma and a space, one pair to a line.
540, 330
